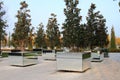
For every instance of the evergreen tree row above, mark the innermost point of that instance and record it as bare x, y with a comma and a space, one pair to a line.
88, 35
76, 35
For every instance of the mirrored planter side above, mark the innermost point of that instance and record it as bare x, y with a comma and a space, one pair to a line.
73, 61
48, 55
106, 52
97, 56
23, 58
38, 50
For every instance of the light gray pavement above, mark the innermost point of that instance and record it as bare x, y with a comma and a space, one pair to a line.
46, 70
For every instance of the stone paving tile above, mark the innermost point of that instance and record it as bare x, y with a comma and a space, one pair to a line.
46, 70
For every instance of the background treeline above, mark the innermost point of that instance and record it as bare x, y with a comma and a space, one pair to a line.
74, 35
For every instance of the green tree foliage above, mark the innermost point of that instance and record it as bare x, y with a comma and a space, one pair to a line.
96, 28
81, 41
30, 39
3, 23
101, 36
112, 41
119, 5
22, 26
91, 25
40, 39
71, 26
53, 33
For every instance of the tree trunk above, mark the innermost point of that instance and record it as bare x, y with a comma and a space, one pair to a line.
22, 45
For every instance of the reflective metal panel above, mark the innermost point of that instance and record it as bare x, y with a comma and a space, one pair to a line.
23, 58
96, 56
49, 55
73, 61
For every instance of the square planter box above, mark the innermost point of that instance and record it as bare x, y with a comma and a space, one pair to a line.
23, 58
97, 56
5, 53
73, 61
106, 53
39, 51
48, 55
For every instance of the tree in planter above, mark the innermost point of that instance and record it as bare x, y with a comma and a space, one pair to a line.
91, 25
9, 40
30, 39
52, 32
112, 41
22, 26
40, 39
3, 24
71, 26
80, 41
4, 41
96, 29
101, 36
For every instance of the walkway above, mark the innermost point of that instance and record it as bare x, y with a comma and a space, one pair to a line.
109, 69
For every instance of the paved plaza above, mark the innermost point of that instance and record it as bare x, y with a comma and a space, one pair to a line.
109, 69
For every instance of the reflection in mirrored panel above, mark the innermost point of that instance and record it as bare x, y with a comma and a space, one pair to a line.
23, 58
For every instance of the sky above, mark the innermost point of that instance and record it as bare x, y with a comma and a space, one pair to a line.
41, 10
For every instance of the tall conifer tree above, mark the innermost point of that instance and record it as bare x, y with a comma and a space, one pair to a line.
22, 26
53, 33
112, 41
3, 24
40, 39
96, 28
101, 36
71, 26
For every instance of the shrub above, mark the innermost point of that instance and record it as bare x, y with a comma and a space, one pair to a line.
114, 50
4, 54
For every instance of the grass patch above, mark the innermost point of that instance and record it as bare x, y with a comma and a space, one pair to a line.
87, 55
4, 54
